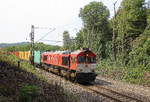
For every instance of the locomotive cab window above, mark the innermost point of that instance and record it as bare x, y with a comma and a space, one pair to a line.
91, 59
81, 59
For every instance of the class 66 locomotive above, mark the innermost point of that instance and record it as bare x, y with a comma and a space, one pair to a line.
77, 66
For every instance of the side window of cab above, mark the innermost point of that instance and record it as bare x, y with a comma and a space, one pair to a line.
45, 57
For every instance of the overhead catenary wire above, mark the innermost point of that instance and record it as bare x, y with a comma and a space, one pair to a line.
45, 35
58, 27
52, 40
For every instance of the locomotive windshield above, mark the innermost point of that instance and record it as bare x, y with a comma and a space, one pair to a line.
81, 59
88, 59
91, 59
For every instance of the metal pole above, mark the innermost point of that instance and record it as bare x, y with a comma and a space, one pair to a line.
32, 44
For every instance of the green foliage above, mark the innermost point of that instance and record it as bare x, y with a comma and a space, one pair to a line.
28, 93
140, 54
66, 40
96, 31
13, 61
116, 70
38, 46
82, 39
25, 47
94, 15
44, 47
148, 16
110, 68
130, 24
134, 75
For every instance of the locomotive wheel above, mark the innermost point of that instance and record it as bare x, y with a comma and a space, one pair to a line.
59, 72
73, 76
68, 75
72, 79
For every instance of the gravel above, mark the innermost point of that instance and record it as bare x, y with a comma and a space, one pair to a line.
140, 92
83, 95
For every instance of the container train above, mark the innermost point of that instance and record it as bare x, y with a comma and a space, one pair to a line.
77, 66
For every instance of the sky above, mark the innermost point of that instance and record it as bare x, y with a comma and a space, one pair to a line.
55, 16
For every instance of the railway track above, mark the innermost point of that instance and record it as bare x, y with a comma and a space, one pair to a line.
108, 93
111, 94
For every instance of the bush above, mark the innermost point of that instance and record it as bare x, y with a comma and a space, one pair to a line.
28, 93
110, 68
134, 75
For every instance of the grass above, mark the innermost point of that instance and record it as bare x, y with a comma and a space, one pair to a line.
23, 65
28, 93
25, 84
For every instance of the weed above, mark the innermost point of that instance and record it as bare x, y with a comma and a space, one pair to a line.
28, 93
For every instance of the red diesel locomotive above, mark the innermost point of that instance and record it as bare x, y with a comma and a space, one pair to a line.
77, 66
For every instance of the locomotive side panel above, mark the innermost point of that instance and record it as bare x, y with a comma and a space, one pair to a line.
73, 61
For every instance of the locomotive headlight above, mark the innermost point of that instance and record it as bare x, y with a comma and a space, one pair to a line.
80, 69
93, 70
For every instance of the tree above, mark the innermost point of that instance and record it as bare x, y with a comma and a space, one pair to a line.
140, 54
82, 39
66, 40
131, 22
96, 26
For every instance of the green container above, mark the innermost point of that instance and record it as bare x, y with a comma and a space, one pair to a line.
37, 57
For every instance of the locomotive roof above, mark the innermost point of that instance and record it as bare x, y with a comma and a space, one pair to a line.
76, 52
79, 51
66, 52
58, 52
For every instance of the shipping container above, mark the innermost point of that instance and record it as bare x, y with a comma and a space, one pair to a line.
37, 57
26, 55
